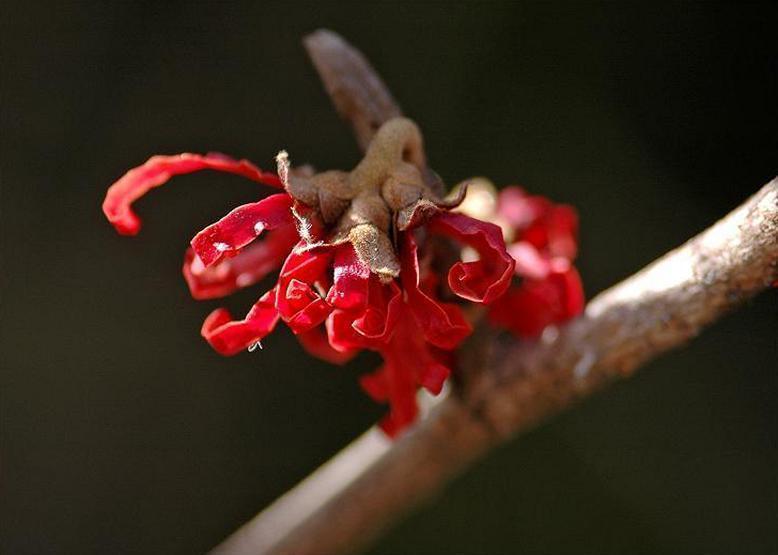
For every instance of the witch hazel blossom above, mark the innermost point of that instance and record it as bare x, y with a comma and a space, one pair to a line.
542, 238
353, 257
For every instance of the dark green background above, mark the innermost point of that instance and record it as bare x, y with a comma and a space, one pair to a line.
122, 432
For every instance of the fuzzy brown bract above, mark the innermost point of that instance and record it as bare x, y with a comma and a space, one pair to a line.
390, 190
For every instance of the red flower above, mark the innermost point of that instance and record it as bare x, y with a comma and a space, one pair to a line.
543, 240
343, 284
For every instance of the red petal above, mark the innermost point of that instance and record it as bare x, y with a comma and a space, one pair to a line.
435, 375
556, 232
370, 328
409, 362
398, 421
443, 324
247, 267
563, 231
529, 262
572, 288
519, 209
486, 279
306, 265
375, 385
377, 323
298, 302
396, 385
241, 226
315, 342
157, 171
314, 309
340, 331
350, 279
551, 228
521, 312
528, 309
228, 336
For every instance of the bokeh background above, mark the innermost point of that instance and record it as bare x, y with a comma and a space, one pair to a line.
122, 432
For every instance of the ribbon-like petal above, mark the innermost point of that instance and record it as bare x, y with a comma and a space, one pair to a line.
528, 309
556, 233
247, 267
551, 228
241, 226
229, 337
409, 362
302, 277
157, 170
315, 342
350, 280
483, 280
443, 324
373, 325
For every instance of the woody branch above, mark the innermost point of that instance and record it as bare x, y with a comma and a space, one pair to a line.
507, 387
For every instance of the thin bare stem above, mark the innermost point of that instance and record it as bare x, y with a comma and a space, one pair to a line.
359, 94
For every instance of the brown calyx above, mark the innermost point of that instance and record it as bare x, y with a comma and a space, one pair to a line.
390, 190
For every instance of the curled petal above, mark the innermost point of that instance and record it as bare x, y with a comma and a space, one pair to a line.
305, 308
305, 265
229, 337
340, 332
241, 226
556, 232
528, 309
393, 384
315, 342
299, 302
378, 321
486, 279
409, 362
117, 205
246, 268
443, 324
551, 228
350, 279
371, 327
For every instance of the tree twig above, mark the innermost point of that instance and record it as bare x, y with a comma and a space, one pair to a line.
510, 385
358, 92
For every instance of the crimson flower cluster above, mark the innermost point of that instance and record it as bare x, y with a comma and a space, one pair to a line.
542, 238
357, 267
336, 301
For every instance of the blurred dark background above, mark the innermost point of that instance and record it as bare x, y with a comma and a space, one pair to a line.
122, 432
